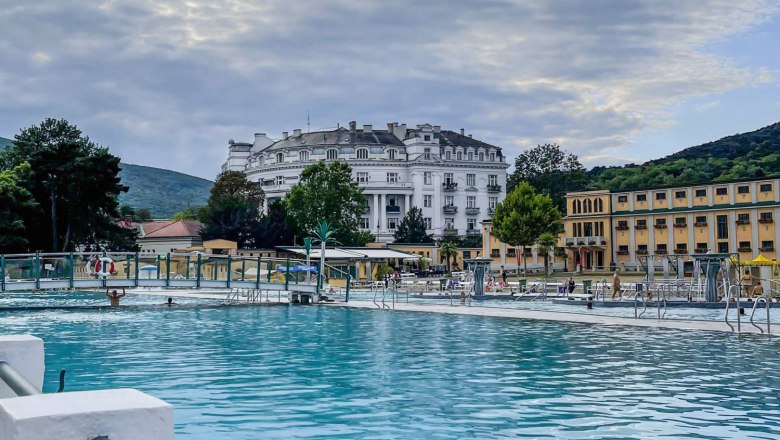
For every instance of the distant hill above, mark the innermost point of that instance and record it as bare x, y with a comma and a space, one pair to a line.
4, 143
742, 156
163, 192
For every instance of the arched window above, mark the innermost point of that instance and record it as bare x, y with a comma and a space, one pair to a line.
303, 156
577, 207
279, 157
599, 205
588, 206
448, 155
459, 155
362, 153
392, 153
333, 154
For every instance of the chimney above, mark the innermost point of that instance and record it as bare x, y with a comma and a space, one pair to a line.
285, 135
297, 132
462, 131
437, 128
367, 128
389, 127
471, 135
353, 127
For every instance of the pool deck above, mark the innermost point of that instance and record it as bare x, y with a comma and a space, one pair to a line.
676, 324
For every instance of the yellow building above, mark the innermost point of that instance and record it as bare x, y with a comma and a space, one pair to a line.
614, 229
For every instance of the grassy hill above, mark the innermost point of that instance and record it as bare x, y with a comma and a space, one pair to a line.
4, 143
741, 156
163, 192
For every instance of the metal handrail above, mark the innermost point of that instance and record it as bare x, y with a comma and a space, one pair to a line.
18, 383
728, 303
638, 298
755, 306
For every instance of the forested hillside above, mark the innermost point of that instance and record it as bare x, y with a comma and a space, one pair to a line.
163, 192
741, 156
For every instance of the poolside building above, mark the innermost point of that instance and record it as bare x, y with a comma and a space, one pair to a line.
455, 179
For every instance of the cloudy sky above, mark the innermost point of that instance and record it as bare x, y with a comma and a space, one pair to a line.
167, 83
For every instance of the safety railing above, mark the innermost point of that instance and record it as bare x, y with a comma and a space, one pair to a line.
19, 384
728, 290
752, 314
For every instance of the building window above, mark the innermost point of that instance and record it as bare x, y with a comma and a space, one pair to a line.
641, 249
364, 223
303, 156
723, 227
641, 197
743, 189
722, 191
391, 201
449, 200
362, 177
427, 138
470, 155
743, 218
471, 179
622, 199
701, 193
744, 246
427, 201
492, 157
449, 223
279, 180
471, 202
471, 224
660, 196
427, 154
766, 216
511, 252
279, 157
765, 187
428, 222
495, 253
641, 224
660, 222
701, 220
661, 249
701, 248
332, 154
392, 153
362, 153
459, 155
679, 194
492, 179
768, 245
723, 247
680, 221
448, 179
492, 202
622, 225
392, 177
392, 223
481, 157
448, 155
427, 178
623, 249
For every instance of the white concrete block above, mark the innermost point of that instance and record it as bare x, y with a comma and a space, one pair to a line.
25, 354
120, 414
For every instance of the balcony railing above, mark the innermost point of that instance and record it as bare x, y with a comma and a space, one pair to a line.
661, 251
768, 249
622, 252
743, 222
621, 228
681, 225
472, 211
660, 225
449, 186
766, 220
640, 227
450, 231
701, 250
491, 211
393, 208
495, 188
700, 224
745, 249
641, 251
450, 209
594, 240
681, 251
472, 232
380, 184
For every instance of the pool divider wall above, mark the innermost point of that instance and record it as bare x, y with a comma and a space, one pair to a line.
25, 354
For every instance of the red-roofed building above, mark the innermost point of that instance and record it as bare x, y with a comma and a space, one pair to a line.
167, 236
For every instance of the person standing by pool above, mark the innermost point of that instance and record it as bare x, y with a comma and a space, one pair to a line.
571, 285
615, 285
114, 297
503, 275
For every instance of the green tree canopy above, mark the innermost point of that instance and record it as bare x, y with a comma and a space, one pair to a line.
15, 202
191, 213
448, 249
546, 245
75, 183
523, 217
233, 210
412, 228
274, 228
549, 170
327, 192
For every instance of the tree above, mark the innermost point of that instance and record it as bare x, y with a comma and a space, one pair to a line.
191, 213
144, 215
274, 229
233, 210
15, 202
549, 170
448, 250
546, 244
523, 217
75, 184
327, 192
412, 228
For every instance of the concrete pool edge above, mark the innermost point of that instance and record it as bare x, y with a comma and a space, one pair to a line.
542, 315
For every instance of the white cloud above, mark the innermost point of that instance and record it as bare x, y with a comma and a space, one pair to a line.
168, 82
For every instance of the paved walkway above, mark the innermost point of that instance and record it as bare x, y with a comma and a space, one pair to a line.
678, 324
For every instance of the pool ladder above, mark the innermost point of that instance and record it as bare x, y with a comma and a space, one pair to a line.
752, 314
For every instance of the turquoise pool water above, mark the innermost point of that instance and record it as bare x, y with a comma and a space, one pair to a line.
318, 372
74, 299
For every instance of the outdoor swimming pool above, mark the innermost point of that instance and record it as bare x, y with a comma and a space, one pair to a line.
75, 299
294, 372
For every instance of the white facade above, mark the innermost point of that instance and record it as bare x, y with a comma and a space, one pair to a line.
455, 179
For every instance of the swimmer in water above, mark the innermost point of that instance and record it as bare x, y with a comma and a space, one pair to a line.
114, 297
170, 302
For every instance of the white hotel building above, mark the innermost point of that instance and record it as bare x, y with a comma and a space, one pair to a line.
456, 180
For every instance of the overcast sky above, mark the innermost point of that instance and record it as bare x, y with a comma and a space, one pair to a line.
167, 83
